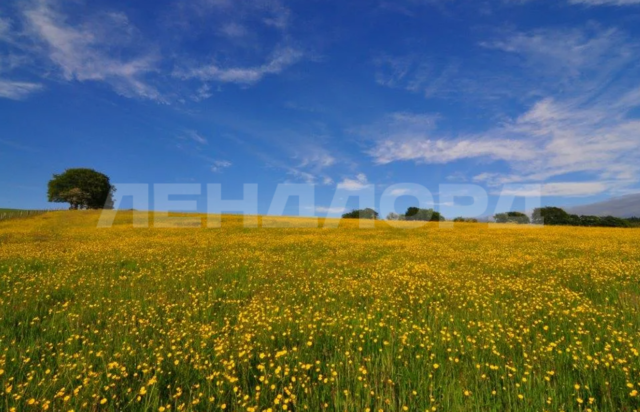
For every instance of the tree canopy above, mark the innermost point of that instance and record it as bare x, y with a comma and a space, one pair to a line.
425, 215
417, 214
550, 216
465, 219
82, 189
367, 213
512, 217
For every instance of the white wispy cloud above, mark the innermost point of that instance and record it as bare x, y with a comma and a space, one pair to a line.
316, 158
278, 61
565, 189
416, 74
234, 30
302, 153
308, 160
331, 210
16, 145
84, 44
5, 26
550, 140
90, 50
220, 165
605, 2
326, 180
202, 93
405, 122
307, 177
271, 13
574, 58
393, 71
411, 136
359, 183
9, 61
423, 148
311, 161
277, 14
589, 129
313, 176
18, 90
587, 3
194, 136
400, 192
468, 80
243, 23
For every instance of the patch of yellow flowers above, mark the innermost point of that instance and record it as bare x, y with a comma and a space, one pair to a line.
291, 319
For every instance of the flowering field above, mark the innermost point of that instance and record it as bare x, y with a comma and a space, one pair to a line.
347, 319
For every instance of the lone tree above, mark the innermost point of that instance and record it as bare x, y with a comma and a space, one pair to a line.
82, 189
76, 198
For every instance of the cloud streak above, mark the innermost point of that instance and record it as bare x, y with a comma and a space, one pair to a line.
80, 44
86, 51
194, 136
565, 189
5, 26
353, 185
220, 165
605, 2
15, 90
588, 130
331, 210
280, 60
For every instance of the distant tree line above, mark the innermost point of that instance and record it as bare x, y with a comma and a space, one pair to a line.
556, 216
412, 214
465, 219
634, 221
367, 213
552, 216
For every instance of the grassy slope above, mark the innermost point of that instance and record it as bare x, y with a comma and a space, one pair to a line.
6, 214
469, 318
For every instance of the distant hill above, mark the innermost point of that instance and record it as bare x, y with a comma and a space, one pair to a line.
625, 206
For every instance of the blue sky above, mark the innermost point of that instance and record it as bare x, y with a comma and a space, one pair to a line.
324, 92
